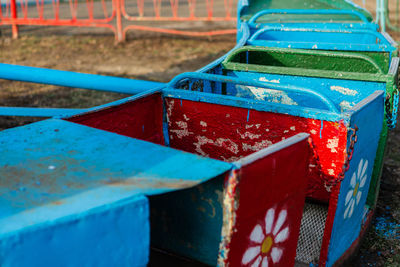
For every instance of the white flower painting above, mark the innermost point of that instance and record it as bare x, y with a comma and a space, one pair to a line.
357, 184
265, 240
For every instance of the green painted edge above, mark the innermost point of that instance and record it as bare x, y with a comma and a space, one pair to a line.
373, 192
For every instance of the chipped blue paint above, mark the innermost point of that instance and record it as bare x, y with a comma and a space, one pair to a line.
248, 115
84, 186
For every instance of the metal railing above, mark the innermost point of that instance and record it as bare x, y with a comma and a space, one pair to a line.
118, 15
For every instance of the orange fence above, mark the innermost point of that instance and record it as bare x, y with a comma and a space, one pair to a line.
119, 15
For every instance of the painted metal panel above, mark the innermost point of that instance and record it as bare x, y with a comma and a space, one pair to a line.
192, 222
90, 238
141, 118
351, 205
189, 222
268, 204
60, 178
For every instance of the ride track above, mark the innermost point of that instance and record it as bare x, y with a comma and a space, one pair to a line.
268, 156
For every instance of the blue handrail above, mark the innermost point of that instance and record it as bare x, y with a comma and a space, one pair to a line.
39, 112
75, 79
379, 36
67, 79
242, 81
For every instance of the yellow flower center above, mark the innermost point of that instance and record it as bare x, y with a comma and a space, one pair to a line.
356, 189
267, 244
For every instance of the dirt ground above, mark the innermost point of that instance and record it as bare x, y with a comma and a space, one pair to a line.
160, 58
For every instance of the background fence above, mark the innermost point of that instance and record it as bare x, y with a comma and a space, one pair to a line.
119, 15
164, 16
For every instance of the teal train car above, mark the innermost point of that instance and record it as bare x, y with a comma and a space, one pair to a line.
264, 157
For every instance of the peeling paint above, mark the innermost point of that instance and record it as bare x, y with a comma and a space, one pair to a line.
170, 107
293, 128
344, 90
271, 95
185, 117
229, 216
181, 132
247, 135
345, 105
220, 142
257, 145
227, 144
203, 123
333, 144
202, 140
248, 126
230, 159
264, 79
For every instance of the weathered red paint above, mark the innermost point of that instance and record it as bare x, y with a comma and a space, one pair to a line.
229, 133
224, 132
140, 119
276, 182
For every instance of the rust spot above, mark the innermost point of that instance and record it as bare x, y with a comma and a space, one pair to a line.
58, 202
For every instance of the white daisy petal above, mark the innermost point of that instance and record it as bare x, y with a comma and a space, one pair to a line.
257, 262
276, 254
269, 220
250, 254
282, 236
346, 212
348, 196
363, 179
352, 204
280, 221
353, 180
257, 234
364, 169
359, 169
265, 262
358, 197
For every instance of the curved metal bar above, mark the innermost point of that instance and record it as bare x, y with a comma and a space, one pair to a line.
38, 112
225, 79
75, 79
348, 31
253, 19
